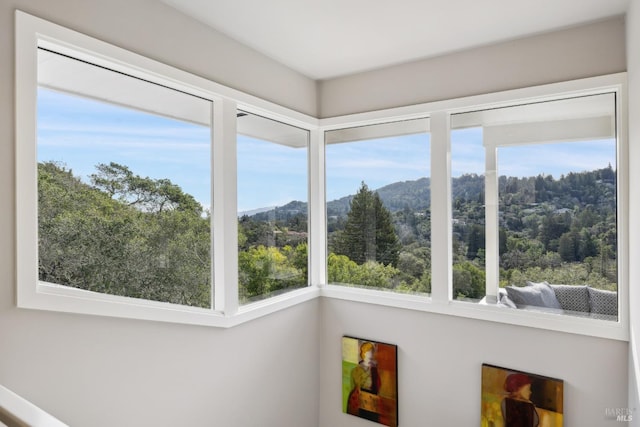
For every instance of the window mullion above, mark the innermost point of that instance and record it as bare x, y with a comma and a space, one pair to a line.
491, 219
441, 248
317, 211
225, 216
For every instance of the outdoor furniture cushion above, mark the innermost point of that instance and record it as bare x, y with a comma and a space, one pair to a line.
603, 302
574, 298
506, 302
536, 294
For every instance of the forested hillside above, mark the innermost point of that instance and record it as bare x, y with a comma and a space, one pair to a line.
128, 235
122, 235
560, 230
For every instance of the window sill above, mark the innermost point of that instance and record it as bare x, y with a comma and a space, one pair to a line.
70, 300
533, 319
65, 299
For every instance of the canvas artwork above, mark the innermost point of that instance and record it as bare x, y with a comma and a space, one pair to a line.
370, 380
519, 399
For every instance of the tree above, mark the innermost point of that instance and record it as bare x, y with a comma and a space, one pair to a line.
368, 234
475, 241
370, 274
568, 247
146, 194
553, 227
468, 281
89, 239
341, 269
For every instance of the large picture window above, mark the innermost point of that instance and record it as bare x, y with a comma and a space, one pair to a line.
124, 191
535, 206
378, 206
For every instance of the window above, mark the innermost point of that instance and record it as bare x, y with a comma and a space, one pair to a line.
378, 206
534, 193
272, 207
124, 191
130, 178
146, 192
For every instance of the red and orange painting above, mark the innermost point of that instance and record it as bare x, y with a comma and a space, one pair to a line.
513, 398
370, 380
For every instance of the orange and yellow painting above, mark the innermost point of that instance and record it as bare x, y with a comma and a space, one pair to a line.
370, 380
513, 398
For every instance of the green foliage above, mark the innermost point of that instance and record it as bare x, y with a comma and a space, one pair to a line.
341, 269
272, 253
373, 274
370, 274
146, 194
157, 250
475, 241
368, 234
560, 230
569, 274
468, 281
265, 270
143, 238
140, 237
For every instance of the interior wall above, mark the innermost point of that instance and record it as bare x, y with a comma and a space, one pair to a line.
157, 31
585, 51
98, 371
633, 64
440, 359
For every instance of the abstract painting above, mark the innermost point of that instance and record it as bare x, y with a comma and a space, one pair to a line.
370, 380
513, 398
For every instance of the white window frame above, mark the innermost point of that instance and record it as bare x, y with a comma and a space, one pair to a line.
226, 312
441, 300
495, 137
31, 33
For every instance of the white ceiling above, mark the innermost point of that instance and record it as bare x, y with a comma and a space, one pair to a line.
328, 38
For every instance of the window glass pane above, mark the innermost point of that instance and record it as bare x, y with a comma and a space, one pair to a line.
550, 202
468, 213
378, 206
559, 216
124, 191
272, 207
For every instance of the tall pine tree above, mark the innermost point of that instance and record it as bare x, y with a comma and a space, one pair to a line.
368, 234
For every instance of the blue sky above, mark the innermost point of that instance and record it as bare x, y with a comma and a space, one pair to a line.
467, 156
82, 133
376, 162
270, 174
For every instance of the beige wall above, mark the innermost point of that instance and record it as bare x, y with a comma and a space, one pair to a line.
96, 371
585, 51
155, 30
440, 357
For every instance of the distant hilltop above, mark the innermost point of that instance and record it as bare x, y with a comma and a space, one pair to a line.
575, 188
256, 211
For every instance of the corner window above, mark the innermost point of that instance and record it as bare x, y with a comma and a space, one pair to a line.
139, 185
378, 206
534, 193
272, 207
144, 192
